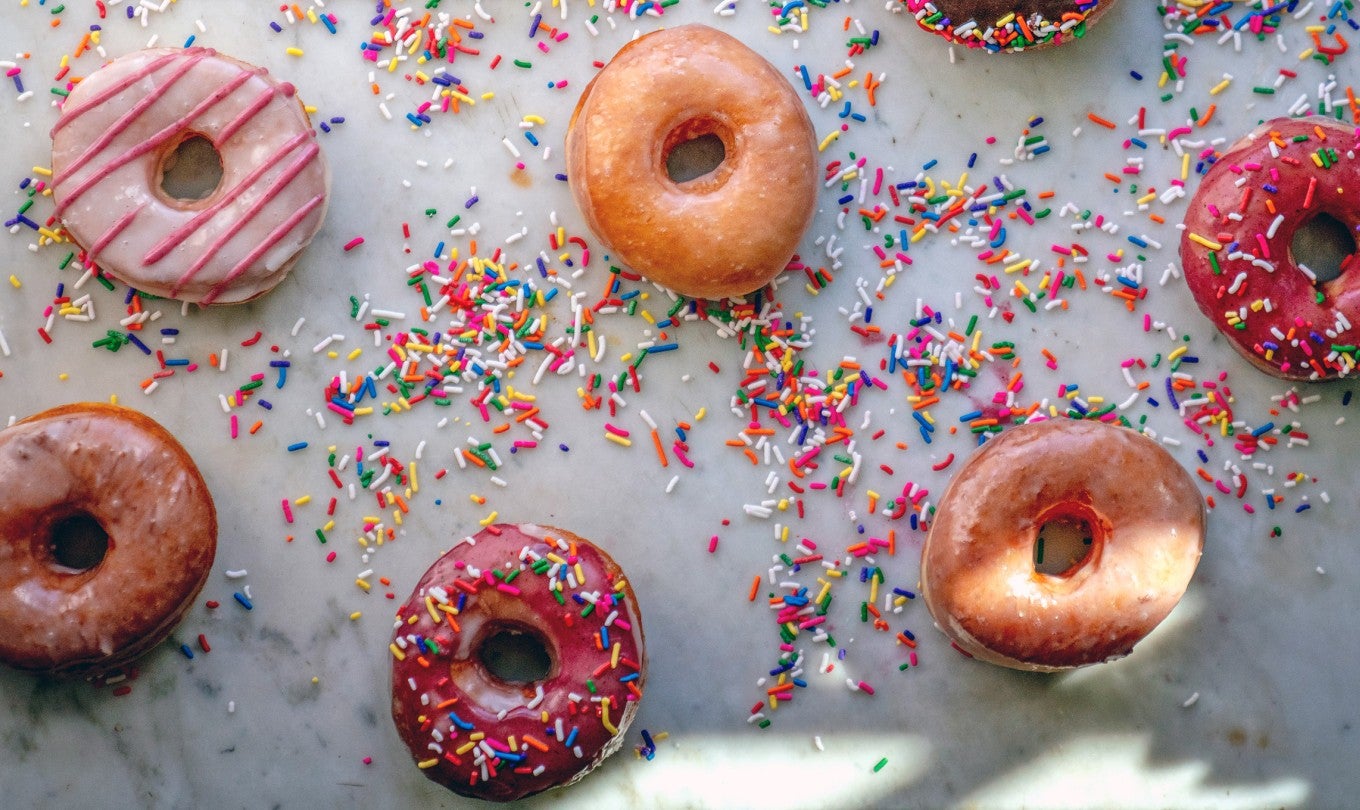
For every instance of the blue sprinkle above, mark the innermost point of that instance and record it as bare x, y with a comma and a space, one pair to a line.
571, 738
245, 603
278, 29
188, 653
295, 446
1303, 508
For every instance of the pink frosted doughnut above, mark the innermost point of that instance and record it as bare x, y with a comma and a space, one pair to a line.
117, 136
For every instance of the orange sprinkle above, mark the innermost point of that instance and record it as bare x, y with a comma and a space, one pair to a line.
1095, 119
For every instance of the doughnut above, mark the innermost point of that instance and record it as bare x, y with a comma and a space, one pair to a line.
1007, 26
727, 232
517, 662
124, 128
1138, 507
1237, 247
107, 533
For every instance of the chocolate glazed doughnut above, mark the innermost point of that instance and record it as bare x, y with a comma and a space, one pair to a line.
107, 533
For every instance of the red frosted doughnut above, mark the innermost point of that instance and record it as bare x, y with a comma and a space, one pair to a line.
1145, 520
482, 732
107, 533
118, 135
1237, 247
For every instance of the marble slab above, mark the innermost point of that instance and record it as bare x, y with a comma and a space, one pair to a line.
1243, 698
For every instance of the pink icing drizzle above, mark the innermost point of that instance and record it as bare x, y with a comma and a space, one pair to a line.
267, 243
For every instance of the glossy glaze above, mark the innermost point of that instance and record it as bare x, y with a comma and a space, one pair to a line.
125, 471
728, 232
977, 567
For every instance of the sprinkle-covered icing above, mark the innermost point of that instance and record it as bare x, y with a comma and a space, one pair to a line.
1236, 247
1006, 25
109, 150
483, 736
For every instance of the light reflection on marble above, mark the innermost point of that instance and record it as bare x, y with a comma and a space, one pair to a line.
1242, 698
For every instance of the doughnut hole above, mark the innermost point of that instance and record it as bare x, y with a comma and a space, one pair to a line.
1326, 247
516, 654
1063, 545
695, 154
190, 171
77, 543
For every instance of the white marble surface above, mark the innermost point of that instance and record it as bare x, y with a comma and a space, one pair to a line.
1242, 699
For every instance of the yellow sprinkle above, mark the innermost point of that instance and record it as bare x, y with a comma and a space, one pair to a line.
828, 140
429, 605
354, 617
1177, 352
425, 764
604, 718
293, 51
535, 119
354, 354
303, 501
1209, 243
14, 281
362, 584
617, 439
396, 651
45, 172
489, 519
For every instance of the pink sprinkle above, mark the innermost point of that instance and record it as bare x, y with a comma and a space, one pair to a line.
330, 557
287, 511
354, 243
864, 687
712, 544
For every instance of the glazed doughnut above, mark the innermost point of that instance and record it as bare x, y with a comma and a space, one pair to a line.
119, 133
1008, 26
1237, 247
1139, 507
559, 606
107, 533
725, 233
